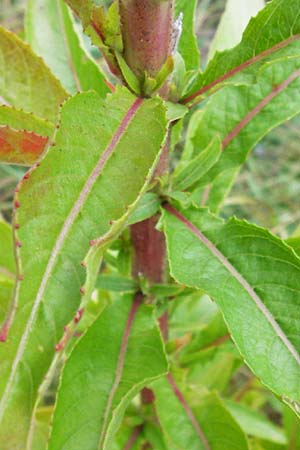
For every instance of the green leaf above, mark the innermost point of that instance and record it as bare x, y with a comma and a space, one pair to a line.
67, 201
233, 22
190, 422
253, 277
191, 314
188, 46
129, 76
147, 207
209, 355
242, 115
175, 111
166, 290
25, 81
115, 283
255, 424
263, 40
120, 353
188, 173
50, 32
214, 367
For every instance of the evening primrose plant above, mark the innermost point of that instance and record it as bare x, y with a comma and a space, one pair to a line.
133, 315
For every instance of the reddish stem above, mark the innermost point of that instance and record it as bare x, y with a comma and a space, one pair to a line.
149, 250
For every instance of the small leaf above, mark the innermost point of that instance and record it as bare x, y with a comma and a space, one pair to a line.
175, 111
191, 172
147, 207
51, 33
166, 290
115, 283
130, 78
120, 353
25, 81
254, 278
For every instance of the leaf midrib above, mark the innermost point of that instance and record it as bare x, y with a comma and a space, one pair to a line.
128, 117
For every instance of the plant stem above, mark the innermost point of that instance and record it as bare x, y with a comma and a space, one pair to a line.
149, 250
147, 32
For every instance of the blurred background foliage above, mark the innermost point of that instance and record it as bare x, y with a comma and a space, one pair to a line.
267, 190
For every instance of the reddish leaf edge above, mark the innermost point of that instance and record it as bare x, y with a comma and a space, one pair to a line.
21, 147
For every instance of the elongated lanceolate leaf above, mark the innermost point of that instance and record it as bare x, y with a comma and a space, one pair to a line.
190, 172
50, 32
118, 355
202, 424
262, 41
254, 278
25, 80
242, 115
95, 171
233, 22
